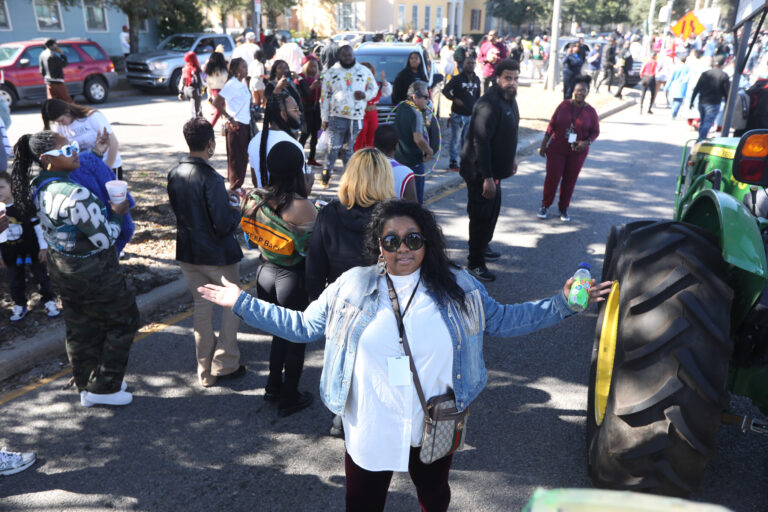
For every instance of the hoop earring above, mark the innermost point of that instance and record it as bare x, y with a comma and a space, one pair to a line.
381, 266
211, 152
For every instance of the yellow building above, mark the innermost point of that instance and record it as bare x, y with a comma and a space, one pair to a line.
329, 18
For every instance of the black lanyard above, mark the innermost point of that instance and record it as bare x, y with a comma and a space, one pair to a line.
396, 304
574, 117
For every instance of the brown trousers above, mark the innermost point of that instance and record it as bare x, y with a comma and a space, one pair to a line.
58, 91
214, 357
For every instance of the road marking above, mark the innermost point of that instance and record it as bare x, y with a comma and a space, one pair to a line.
144, 332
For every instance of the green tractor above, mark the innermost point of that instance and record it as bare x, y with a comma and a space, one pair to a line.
686, 322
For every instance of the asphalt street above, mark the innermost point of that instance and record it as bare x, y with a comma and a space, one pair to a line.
181, 447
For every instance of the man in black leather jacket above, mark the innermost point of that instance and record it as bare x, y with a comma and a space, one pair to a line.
487, 158
206, 249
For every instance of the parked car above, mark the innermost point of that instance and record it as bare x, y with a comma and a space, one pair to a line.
89, 71
355, 38
161, 68
392, 58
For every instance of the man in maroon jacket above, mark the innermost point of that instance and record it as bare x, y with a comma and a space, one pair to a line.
492, 51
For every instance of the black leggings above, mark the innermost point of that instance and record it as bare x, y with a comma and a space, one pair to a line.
312, 123
284, 286
648, 83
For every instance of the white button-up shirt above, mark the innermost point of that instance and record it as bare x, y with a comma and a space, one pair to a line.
381, 421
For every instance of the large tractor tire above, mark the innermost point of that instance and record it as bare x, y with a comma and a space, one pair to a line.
660, 359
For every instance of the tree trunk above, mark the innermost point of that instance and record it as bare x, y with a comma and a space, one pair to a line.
133, 30
224, 21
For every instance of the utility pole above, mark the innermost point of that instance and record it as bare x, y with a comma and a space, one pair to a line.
553, 71
256, 18
651, 17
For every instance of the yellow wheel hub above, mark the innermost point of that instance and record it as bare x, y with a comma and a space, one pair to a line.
606, 352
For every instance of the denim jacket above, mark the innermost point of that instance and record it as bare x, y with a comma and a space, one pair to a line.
349, 304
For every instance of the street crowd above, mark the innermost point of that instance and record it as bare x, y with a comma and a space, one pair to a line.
368, 271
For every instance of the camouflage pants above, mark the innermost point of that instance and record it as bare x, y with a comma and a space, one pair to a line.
100, 315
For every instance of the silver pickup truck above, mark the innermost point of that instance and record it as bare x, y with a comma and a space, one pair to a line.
161, 68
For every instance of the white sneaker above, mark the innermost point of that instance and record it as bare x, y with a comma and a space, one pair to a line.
13, 462
18, 312
51, 309
88, 399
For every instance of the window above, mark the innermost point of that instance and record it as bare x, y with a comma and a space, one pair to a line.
347, 16
415, 17
71, 53
224, 41
401, 16
475, 21
427, 15
439, 17
95, 15
48, 15
32, 54
5, 20
93, 51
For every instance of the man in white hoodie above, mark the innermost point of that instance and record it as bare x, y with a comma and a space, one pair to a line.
347, 88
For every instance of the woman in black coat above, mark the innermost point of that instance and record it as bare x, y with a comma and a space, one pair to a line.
413, 71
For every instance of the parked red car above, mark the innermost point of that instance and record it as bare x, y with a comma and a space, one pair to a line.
88, 72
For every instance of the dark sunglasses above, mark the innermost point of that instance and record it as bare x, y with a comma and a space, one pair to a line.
413, 241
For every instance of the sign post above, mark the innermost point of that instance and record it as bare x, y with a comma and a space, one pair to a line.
256, 19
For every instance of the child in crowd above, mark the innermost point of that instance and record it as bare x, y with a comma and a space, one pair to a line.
24, 246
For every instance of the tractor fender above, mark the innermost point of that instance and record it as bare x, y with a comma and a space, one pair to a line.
740, 242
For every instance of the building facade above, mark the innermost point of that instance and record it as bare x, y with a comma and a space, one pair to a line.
452, 17
22, 20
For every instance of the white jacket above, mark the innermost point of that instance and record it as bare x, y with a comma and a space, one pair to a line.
339, 86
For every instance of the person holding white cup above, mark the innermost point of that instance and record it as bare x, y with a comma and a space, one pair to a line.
100, 310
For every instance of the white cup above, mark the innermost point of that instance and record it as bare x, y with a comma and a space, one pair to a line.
4, 234
117, 190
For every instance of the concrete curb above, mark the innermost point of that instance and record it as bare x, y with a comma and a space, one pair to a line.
24, 353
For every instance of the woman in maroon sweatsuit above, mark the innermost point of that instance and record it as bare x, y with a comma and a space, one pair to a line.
573, 127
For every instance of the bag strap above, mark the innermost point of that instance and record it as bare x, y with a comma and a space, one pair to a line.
44, 183
404, 341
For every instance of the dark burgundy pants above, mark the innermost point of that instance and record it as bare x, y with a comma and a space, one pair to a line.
237, 155
565, 167
367, 490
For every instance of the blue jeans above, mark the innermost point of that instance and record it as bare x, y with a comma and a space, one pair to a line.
418, 179
707, 115
459, 127
341, 131
676, 104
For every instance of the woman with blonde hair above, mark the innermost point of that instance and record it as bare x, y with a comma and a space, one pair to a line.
337, 243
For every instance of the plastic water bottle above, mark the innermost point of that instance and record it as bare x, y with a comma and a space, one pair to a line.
578, 299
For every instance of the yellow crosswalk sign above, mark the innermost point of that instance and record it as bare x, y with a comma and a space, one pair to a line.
688, 25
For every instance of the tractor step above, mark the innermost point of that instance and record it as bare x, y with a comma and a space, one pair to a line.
746, 423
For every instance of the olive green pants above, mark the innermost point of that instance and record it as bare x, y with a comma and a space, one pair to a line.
100, 315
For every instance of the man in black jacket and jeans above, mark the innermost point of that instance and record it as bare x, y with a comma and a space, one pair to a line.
712, 88
463, 90
609, 61
487, 158
206, 249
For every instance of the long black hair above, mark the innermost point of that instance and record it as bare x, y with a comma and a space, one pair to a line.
273, 69
407, 67
436, 267
286, 180
27, 152
215, 63
272, 114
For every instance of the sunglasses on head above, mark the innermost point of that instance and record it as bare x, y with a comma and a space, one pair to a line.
413, 241
65, 150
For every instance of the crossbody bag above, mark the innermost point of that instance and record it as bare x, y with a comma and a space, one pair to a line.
444, 426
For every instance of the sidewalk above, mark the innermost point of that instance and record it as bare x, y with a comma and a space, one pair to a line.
23, 353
